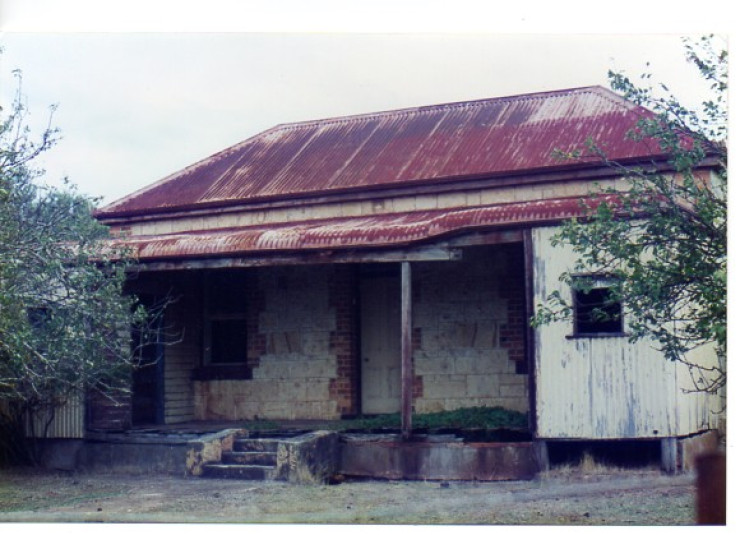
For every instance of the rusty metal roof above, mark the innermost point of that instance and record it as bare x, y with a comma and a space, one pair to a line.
493, 137
383, 230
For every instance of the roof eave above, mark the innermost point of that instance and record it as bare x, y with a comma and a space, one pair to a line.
581, 171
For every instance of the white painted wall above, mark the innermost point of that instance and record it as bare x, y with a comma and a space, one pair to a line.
605, 388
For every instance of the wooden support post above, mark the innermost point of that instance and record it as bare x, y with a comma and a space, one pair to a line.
407, 373
529, 354
542, 455
711, 489
669, 455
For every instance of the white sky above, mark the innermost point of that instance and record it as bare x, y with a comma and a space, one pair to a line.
134, 107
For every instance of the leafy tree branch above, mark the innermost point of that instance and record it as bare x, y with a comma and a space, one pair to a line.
664, 238
65, 321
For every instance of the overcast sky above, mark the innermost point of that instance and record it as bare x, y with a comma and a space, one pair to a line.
134, 107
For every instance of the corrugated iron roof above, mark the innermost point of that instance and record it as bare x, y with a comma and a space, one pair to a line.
383, 230
498, 136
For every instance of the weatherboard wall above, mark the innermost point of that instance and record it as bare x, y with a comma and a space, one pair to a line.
604, 388
378, 204
183, 331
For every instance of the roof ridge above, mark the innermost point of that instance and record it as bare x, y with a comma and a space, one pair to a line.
538, 95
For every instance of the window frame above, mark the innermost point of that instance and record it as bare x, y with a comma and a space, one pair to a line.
211, 317
600, 281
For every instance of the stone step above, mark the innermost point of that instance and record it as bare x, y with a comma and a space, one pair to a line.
238, 471
256, 444
255, 458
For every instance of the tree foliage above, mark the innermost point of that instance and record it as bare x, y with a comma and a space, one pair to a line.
664, 239
64, 319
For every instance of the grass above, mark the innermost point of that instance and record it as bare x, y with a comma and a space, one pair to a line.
261, 425
30, 489
589, 465
466, 418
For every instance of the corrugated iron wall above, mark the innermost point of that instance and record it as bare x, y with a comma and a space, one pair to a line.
68, 422
604, 388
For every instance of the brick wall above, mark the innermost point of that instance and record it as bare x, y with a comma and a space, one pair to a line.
469, 331
343, 340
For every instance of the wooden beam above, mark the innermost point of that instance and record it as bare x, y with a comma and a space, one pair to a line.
419, 254
529, 353
495, 237
407, 372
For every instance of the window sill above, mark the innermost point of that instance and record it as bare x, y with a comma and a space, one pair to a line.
222, 372
596, 335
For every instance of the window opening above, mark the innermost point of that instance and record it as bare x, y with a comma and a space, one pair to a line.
226, 318
595, 311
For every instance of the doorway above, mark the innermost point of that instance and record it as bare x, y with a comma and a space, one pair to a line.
380, 342
147, 389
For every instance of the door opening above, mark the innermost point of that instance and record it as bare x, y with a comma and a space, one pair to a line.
147, 389
380, 343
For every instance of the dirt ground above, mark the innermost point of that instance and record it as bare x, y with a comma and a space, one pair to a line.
645, 497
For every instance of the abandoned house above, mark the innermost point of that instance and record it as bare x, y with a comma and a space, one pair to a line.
388, 263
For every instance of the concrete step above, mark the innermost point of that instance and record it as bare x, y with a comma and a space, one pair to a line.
256, 444
238, 471
255, 458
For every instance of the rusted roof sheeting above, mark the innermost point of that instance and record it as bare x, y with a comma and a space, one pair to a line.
386, 230
420, 145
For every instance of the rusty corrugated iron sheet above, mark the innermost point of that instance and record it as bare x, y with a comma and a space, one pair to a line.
382, 230
499, 136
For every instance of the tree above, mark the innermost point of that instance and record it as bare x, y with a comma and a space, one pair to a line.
663, 242
64, 318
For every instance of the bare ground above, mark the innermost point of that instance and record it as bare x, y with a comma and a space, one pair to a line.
644, 497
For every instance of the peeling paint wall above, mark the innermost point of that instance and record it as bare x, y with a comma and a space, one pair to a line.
599, 388
696, 407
